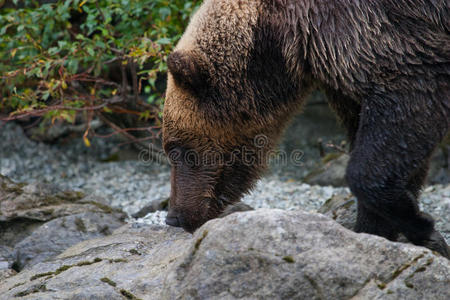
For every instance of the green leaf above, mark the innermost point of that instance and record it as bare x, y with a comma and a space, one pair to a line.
45, 95
164, 12
90, 51
164, 41
53, 50
72, 66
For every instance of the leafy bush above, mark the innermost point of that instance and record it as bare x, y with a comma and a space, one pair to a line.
64, 58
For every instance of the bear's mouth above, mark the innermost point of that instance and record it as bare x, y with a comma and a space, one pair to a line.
226, 207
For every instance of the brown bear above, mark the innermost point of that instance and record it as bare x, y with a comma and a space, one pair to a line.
243, 68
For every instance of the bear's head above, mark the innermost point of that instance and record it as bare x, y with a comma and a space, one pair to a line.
229, 94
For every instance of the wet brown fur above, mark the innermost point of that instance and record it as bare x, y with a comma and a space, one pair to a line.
243, 68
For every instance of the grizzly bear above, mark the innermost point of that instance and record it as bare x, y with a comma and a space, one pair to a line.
243, 68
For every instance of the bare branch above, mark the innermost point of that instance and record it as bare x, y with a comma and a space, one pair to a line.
40, 112
135, 81
338, 148
154, 152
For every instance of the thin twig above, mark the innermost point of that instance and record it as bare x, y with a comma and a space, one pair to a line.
135, 81
100, 11
149, 129
88, 125
154, 152
39, 112
338, 148
124, 81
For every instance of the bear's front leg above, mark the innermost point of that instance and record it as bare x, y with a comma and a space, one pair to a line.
395, 139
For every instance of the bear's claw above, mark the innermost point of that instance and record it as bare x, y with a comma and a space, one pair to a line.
436, 242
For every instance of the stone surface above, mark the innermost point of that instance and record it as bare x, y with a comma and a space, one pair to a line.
6, 273
262, 254
39, 221
439, 172
310, 132
135, 260
330, 173
155, 205
42, 202
342, 209
6, 257
6, 262
55, 236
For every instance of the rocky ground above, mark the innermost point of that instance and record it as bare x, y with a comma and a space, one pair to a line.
133, 184
142, 259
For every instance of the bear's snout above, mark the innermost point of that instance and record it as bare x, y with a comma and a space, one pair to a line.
173, 219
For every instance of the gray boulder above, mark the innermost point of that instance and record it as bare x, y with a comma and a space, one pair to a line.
342, 209
331, 172
6, 262
38, 221
6, 257
274, 254
39, 202
262, 254
55, 236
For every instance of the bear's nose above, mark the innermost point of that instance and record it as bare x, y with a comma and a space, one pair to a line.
173, 220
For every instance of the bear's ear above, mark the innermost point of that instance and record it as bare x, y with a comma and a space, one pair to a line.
187, 69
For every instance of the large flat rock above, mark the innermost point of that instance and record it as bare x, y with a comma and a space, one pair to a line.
39, 221
262, 254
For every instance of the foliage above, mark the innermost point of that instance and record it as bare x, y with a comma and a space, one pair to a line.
65, 57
